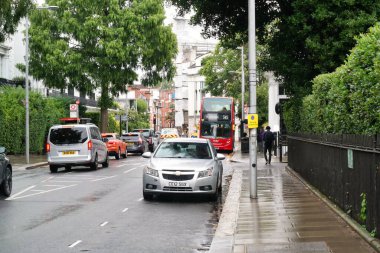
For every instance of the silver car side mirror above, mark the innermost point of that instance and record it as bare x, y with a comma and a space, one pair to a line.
147, 154
220, 156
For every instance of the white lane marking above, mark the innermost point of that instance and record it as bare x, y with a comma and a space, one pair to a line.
104, 223
53, 185
47, 179
38, 193
37, 190
124, 210
102, 178
140, 199
75, 244
21, 192
127, 171
65, 181
264, 177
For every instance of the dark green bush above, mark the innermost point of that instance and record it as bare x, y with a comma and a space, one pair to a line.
347, 100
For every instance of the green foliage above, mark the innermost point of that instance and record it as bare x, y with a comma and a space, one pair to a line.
142, 106
347, 100
43, 113
304, 38
222, 71
91, 45
137, 120
11, 13
363, 208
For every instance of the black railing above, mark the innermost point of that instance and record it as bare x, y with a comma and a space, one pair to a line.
345, 168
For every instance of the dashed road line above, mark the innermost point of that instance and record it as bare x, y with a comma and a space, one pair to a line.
100, 179
140, 199
47, 179
104, 223
124, 210
127, 171
75, 244
65, 181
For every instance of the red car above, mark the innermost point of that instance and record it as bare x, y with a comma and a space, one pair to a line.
115, 146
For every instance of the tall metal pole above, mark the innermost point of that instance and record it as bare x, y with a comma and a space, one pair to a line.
242, 83
27, 89
252, 96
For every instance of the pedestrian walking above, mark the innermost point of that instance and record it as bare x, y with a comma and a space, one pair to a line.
268, 144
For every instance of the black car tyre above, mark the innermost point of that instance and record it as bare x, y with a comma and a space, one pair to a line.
53, 168
125, 154
94, 165
117, 156
147, 196
68, 167
106, 163
6, 186
214, 196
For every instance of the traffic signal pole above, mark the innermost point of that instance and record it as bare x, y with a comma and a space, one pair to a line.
252, 96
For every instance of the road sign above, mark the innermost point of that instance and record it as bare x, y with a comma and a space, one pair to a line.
253, 120
74, 112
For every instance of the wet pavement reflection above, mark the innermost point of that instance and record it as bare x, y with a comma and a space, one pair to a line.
287, 217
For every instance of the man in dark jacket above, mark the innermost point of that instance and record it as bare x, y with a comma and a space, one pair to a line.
268, 143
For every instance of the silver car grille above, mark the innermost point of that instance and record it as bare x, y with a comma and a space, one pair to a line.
174, 177
177, 189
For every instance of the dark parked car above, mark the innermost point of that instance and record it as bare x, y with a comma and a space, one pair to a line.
5, 174
149, 135
136, 143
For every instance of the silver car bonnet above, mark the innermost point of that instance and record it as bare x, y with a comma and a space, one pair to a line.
181, 164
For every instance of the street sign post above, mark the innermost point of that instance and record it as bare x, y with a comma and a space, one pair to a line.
74, 111
253, 121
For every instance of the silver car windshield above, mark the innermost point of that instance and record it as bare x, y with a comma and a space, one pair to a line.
184, 150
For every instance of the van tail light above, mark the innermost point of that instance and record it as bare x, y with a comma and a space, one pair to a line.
89, 144
47, 147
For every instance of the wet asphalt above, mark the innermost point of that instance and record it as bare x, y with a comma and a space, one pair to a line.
102, 211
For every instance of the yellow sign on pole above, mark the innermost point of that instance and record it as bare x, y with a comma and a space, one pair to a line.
253, 120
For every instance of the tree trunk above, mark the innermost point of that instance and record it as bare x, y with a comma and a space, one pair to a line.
104, 120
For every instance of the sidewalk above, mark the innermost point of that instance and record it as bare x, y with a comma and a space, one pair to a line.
19, 161
286, 217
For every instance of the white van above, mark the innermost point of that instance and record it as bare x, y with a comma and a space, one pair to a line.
75, 145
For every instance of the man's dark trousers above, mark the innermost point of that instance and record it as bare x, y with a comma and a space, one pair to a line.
268, 148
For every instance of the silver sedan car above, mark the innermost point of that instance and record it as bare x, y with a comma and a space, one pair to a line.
183, 165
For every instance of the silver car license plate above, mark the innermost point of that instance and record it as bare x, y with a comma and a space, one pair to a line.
178, 184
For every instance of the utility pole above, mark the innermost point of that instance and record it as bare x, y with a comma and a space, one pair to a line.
252, 96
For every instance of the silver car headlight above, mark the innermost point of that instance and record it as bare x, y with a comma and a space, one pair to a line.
151, 171
206, 173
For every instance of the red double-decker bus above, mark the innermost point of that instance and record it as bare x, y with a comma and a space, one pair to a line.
217, 122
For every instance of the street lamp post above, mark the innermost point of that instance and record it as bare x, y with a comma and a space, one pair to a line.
252, 96
27, 81
242, 89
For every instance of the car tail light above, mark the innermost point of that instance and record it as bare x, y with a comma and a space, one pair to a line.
47, 147
89, 144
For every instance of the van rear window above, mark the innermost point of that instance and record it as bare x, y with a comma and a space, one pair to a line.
60, 136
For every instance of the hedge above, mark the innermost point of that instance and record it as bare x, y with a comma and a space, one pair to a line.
347, 100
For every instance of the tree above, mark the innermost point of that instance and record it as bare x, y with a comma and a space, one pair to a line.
11, 11
304, 37
222, 70
90, 45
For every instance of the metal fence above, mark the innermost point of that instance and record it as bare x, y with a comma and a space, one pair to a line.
344, 168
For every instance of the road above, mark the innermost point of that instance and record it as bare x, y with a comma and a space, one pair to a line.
101, 211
